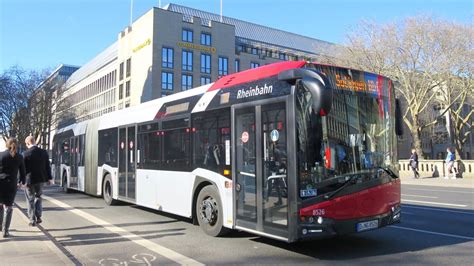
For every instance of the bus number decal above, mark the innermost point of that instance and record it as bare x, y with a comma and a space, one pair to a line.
319, 212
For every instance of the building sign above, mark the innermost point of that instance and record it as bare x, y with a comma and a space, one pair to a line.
201, 48
142, 45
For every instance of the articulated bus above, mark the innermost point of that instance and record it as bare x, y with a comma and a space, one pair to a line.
291, 151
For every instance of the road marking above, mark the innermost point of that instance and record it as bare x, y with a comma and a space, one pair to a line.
436, 209
432, 233
434, 203
418, 196
165, 252
464, 192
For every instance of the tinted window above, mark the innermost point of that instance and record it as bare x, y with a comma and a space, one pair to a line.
211, 131
108, 147
149, 147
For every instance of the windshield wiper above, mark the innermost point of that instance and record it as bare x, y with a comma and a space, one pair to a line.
352, 180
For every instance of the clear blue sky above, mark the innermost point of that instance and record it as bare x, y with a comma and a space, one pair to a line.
39, 34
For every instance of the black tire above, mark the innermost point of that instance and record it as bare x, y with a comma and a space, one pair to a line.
209, 212
107, 191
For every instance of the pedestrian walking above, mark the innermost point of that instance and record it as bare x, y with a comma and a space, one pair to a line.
11, 163
450, 158
414, 163
38, 172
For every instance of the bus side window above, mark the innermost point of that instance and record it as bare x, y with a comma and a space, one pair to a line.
211, 130
149, 146
108, 147
176, 145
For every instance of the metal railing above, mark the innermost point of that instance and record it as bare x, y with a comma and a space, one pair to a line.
437, 168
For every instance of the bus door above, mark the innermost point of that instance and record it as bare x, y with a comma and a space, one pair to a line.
127, 162
74, 161
260, 168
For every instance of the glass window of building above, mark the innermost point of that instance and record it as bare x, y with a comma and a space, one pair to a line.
120, 91
254, 65
166, 81
186, 82
121, 71
167, 57
187, 35
205, 80
237, 65
127, 89
187, 59
205, 39
206, 63
129, 67
223, 66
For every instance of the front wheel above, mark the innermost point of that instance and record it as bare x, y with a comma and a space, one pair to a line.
107, 191
209, 212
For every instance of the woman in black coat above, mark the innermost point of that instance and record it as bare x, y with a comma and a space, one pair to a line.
11, 163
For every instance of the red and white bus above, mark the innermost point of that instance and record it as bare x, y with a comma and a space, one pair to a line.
291, 151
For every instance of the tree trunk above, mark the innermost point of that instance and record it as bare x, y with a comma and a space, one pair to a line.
416, 134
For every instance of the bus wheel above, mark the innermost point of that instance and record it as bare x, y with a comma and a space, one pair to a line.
209, 212
107, 191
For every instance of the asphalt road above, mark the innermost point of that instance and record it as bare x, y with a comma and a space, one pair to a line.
437, 228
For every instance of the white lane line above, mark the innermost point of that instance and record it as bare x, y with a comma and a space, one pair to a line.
422, 189
432, 233
165, 252
434, 203
435, 209
418, 196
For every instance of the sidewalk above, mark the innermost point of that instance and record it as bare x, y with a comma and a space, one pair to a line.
29, 245
439, 182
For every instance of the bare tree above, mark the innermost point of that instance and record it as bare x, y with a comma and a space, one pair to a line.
411, 52
456, 73
16, 87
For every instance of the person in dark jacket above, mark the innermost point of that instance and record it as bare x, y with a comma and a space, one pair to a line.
414, 163
11, 163
38, 172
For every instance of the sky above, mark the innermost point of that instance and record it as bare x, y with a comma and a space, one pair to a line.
42, 34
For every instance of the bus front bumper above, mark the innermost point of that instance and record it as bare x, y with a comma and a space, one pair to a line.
320, 227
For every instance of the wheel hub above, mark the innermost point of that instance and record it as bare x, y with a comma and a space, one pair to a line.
208, 211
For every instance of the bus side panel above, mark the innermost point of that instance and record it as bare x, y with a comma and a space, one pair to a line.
91, 157
80, 178
224, 193
168, 191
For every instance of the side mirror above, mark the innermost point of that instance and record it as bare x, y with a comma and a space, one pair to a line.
398, 118
316, 83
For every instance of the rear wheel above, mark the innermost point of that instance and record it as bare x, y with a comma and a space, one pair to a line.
107, 191
209, 212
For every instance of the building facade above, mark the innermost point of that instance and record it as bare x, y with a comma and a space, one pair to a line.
43, 103
177, 48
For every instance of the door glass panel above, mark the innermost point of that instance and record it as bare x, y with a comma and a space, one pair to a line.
245, 164
275, 183
131, 163
122, 161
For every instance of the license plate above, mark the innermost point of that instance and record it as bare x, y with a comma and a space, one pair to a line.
363, 226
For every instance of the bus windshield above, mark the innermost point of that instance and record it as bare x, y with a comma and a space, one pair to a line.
356, 138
